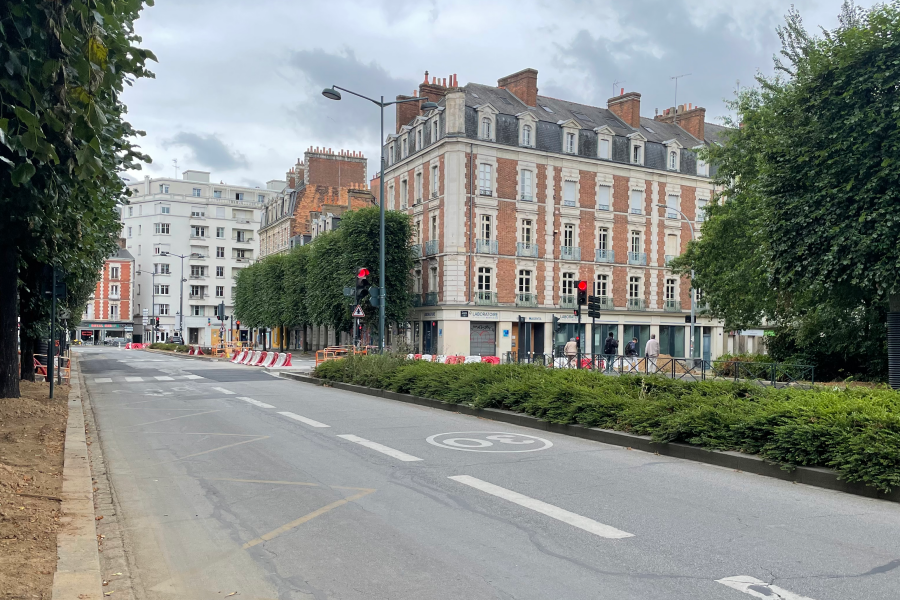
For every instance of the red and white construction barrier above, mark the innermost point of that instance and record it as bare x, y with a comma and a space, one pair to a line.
250, 357
239, 356
271, 359
259, 361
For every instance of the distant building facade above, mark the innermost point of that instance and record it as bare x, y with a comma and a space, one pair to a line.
108, 313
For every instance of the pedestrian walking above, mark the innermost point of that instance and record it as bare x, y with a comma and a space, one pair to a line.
610, 349
651, 351
570, 350
631, 353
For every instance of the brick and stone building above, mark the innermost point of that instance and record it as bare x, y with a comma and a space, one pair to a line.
324, 182
515, 197
108, 313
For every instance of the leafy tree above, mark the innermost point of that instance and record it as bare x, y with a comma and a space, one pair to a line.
810, 180
63, 141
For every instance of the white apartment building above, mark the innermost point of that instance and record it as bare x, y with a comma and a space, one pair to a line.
200, 233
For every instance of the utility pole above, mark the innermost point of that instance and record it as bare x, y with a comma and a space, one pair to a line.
676, 78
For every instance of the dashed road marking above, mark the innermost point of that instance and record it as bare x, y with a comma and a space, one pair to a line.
133, 379
103, 380
224, 391
759, 589
255, 402
297, 417
560, 514
192, 377
380, 448
164, 378
137, 379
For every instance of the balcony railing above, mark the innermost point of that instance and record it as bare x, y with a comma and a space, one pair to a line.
569, 253
669, 258
569, 202
636, 304
601, 302
485, 298
198, 296
566, 301
197, 236
485, 192
430, 299
523, 249
417, 299
672, 306
431, 247
603, 207
526, 198
526, 300
671, 214
243, 240
637, 258
416, 250
112, 296
604, 256
635, 211
486, 247
197, 276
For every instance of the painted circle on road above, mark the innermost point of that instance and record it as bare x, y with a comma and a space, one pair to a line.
489, 441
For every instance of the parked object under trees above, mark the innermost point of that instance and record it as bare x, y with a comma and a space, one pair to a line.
807, 238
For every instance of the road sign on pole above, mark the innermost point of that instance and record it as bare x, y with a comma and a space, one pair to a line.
358, 312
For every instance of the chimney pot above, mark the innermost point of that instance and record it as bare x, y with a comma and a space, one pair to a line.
426, 77
621, 91
445, 82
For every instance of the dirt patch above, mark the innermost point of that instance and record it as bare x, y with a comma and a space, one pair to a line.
32, 436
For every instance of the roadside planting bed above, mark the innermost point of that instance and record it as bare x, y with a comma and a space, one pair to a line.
854, 431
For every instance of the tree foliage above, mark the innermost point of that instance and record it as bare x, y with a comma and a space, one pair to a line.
808, 236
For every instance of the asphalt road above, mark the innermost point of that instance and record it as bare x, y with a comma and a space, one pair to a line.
231, 480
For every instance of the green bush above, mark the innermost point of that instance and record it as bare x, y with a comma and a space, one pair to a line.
854, 431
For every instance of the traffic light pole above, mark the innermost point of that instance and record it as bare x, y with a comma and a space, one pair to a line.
51, 357
578, 340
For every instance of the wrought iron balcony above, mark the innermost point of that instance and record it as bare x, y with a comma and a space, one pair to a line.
669, 258
567, 301
636, 304
431, 247
485, 298
671, 214
637, 258
523, 249
416, 250
417, 299
672, 306
604, 256
485, 192
570, 202
636, 211
430, 299
526, 300
569, 253
527, 198
603, 207
486, 247
601, 302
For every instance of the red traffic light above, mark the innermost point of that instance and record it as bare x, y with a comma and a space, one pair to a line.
363, 273
582, 285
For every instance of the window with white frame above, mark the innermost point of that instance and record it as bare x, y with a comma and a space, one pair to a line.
163, 188
239, 196
603, 197
524, 281
220, 251
673, 160
702, 168
486, 128
391, 195
114, 272
419, 139
601, 285
418, 199
637, 154
417, 231
404, 194
569, 235
671, 245
165, 209
198, 271
220, 271
162, 309
129, 232
260, 198
671, 290
701, 210
196, 291
433, 279
526, 185
403, 148
672, 206
390, 154
160, 290
196, 192
220, 232
220, 213
217, 193
603, 239
197, 311
526, 232
114, 311
130, 211
198, 212
434, 131
634, 288
568, 284
417, 281
113, 290
486, 231
485, 179
568, 193
571, 142
603, 150
636, 200
527, 136
161, 268
485, 279
198, 231
435, 183
636, 244
161, 228
220, 291
434, 227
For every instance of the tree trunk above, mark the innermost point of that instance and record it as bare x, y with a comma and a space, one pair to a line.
27, 370
9, 309
894, 341
281, 338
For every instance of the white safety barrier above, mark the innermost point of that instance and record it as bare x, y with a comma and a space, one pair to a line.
238, 357
251, 358
426, 357
440, 358
262, 357
271, 359
472, 359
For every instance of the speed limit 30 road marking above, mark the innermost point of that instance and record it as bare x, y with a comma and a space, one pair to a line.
489, 441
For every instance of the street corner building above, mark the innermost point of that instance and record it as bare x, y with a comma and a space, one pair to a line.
108, 313
515, 197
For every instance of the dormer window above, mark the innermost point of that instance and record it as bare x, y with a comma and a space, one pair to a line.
673, 153
570, 143
526, 135
390, 154
636, 157
527, 124
434, 131
486, 128
673, 157
404, 149
418, 139
570, 135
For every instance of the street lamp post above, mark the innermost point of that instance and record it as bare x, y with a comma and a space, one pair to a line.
332, 93
152, 298
693, 292
181, 287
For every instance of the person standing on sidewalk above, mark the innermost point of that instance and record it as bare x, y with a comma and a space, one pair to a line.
610, 348
631, 353
651, 351
570, 351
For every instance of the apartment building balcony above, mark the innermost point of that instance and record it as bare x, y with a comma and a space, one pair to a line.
197, 296
243, 240
600, 303
636, 304
603, 207
430, 299
485, 298
114, 297
672, 214
635, 211
526, 198
604, 256
637, 258
416, 250
416, 300
672, 306
195, 236
198, 216
568, 203
486, 247
243, 221
567, 301
197, 276
527, 300
569, 253
526, 249
431, 247
669, 258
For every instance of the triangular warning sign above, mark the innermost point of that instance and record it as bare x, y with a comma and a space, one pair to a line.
358, 312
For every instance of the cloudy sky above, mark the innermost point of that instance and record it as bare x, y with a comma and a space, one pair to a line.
237, 87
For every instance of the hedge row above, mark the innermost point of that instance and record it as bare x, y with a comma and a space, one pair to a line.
853, 431
170, 347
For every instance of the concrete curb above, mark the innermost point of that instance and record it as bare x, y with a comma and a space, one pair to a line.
77, 574
814, 476
184, 355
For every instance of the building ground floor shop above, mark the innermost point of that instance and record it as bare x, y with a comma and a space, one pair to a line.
494, 333
99, 332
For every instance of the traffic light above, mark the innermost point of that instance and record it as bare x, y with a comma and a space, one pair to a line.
220, 311
362, 283
157, 322
582, 293
237, 324
374, 295
556, 324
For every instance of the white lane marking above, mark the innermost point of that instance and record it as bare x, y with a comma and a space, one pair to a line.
255, 402
224, 391
103, 380
560, 514
133, 379
484, 441
380, 448
164, 378
297, 417
192, 377
759, 589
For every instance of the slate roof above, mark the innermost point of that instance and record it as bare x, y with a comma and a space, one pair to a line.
715, 134
121, 254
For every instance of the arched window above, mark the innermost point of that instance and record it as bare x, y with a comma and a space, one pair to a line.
673, 157
486, 128
526, 135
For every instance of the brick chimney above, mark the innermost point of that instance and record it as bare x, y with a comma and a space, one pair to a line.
435, 90
627, 107
690, 118
406, 112
523, 84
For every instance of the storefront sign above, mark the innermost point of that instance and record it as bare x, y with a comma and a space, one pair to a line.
478, 314
506, 333
92, 325
430, 314
463, 313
